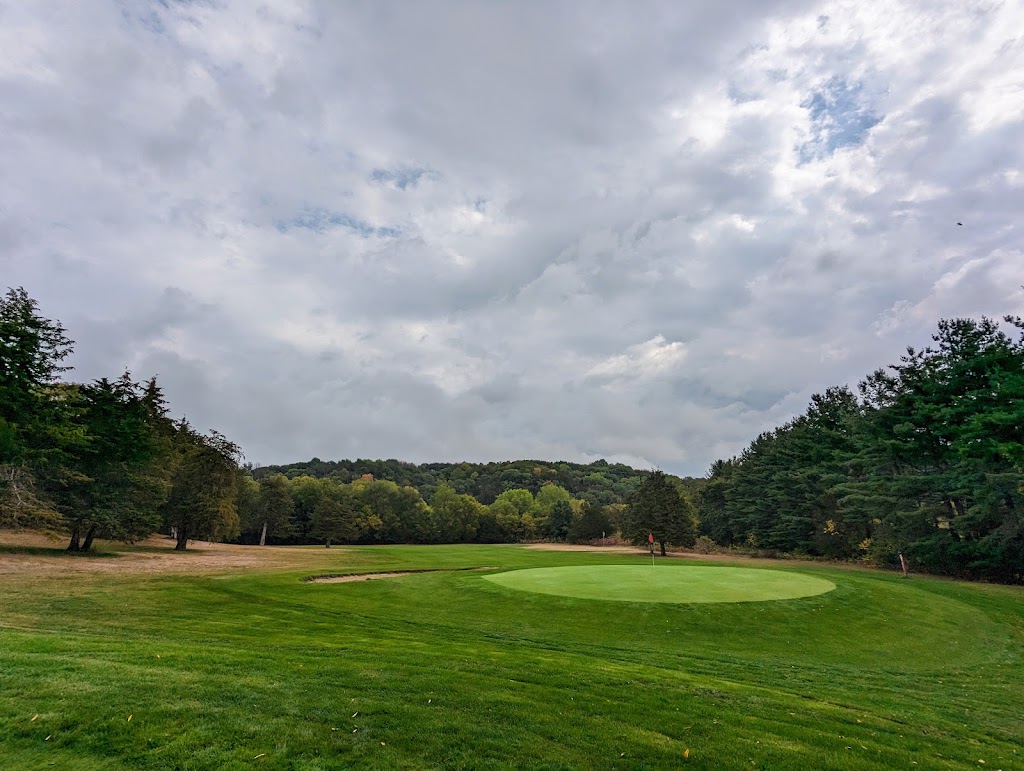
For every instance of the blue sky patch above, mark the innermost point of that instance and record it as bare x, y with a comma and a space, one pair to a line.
320, 220
401, 178
840, 117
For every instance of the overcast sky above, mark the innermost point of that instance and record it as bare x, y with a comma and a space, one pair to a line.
437, 231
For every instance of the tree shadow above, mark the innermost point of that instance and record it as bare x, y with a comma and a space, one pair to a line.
55, 551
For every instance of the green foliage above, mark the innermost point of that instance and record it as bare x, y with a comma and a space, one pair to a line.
275, 507
38, 428
202, 501
592, 523
455, 517
559, 520
521, 500
114, 484
928, 463
31, 349
393, 514
336, 514
96, 459
598, 482
660, 509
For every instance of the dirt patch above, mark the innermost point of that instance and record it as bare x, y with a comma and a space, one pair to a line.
370, 576
355, 577
36, 554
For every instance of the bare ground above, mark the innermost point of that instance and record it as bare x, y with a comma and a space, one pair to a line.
38, 554
154, 555
358, 577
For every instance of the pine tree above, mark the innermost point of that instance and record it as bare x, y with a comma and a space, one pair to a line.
38, 428
202, 501
660, 509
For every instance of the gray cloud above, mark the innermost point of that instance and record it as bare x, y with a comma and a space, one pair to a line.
455, 230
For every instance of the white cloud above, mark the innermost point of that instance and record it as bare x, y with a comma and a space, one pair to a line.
643, 360
449, 231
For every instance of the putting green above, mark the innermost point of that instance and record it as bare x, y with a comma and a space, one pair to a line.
664, 583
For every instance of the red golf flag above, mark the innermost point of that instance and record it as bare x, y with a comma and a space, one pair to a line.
650, 538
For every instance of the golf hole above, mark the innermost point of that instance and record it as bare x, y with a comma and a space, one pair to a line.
664, 583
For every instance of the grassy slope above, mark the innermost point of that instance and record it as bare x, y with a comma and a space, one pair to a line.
450, 670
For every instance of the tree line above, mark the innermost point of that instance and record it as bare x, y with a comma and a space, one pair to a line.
927, 460
600, 482
306, 509
100, 459
105, 460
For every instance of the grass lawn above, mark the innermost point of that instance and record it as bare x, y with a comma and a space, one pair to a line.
668, 583
107, 665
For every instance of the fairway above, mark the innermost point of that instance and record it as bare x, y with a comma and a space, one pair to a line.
226, 657
665, 583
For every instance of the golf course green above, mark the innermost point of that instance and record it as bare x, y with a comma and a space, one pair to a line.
665, 583
228, 657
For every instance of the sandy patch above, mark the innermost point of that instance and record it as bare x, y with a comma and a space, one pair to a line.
154, 555
356, 577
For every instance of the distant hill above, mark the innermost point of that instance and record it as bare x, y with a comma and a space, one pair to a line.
599, 482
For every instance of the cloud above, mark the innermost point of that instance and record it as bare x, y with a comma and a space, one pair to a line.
644, 360
447, 230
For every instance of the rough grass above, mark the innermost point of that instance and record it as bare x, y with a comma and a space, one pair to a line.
249, 667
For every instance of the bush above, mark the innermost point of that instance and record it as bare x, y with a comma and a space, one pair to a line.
704, 545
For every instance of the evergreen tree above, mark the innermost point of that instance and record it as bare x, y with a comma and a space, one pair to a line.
38, 428
559, 521
940, 465
202, 499
658, 508
116, 482
591, 524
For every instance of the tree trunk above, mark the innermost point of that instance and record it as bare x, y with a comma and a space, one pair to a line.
263, 535
328, 545
662, 548
74, 545
88, 538
182, 540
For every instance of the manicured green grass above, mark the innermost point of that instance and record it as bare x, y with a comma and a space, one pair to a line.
668, 583
258, 669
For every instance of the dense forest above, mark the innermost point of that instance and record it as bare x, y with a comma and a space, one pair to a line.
600, 482
925, 460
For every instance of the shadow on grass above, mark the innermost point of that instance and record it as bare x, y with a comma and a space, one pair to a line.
55, 551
